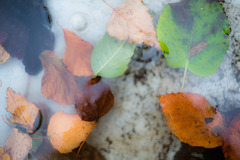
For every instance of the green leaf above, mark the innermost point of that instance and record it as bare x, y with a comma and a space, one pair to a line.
110, 57
192, 34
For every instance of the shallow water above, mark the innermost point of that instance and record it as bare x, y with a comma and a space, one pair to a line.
135, 128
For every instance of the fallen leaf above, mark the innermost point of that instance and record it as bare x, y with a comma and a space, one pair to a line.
133, 23
68, 131
23, 112
25, 31
3, 154
4, 55
95, 100
191, 35
58, 83
111, 56
190, 117
18, 145
77, 56
231, 140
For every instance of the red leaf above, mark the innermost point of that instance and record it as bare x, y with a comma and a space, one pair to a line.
77, 56
188, 115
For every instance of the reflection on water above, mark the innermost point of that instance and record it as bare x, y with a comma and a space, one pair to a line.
25, 31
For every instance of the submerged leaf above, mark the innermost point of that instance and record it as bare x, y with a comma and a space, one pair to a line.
68, 131
231, 140
192, 31
95, 100
3, 154
18, 144
132, 22
4, 55
77, 56
192, 119
23, 112
58, 83
110, 57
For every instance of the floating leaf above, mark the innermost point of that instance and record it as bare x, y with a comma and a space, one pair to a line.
192, 35
68, 131
3, 154
18, 144
95, 100
77, 56
58, 83
110, 57
191, 118
231, 145
4, 55
133, 23
25, 31
23, 112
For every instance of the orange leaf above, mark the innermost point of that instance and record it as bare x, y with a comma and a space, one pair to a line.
3, 154
58, 83
4, 55
77, 56
188, 115
23, 112
18, 144
132, 22
231, 140
68, 131
95, 100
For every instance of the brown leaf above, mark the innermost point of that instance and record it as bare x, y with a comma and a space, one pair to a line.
95, 100
132, 22
77, 56
68, 131
4, 55
18, 144
190, 117
23, 112
231, 140
3, 154
58, 83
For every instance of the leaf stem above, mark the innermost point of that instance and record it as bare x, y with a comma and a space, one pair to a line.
184, 76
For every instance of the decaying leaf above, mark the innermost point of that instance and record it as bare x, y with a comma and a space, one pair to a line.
95, 100
190, 117
18, 145
77, 56
3, 154
68, 131
191, 34
231, 140
23, 112
132, 22
58, 83
4, 55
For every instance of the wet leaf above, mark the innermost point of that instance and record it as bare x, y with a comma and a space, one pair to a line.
25, 31
4, 55
77, 56
58, 83
68, 131
18, 144
23, 112
110, 57
3, 154
192, 35
231, 140
192, 119
133, 23
95, 100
